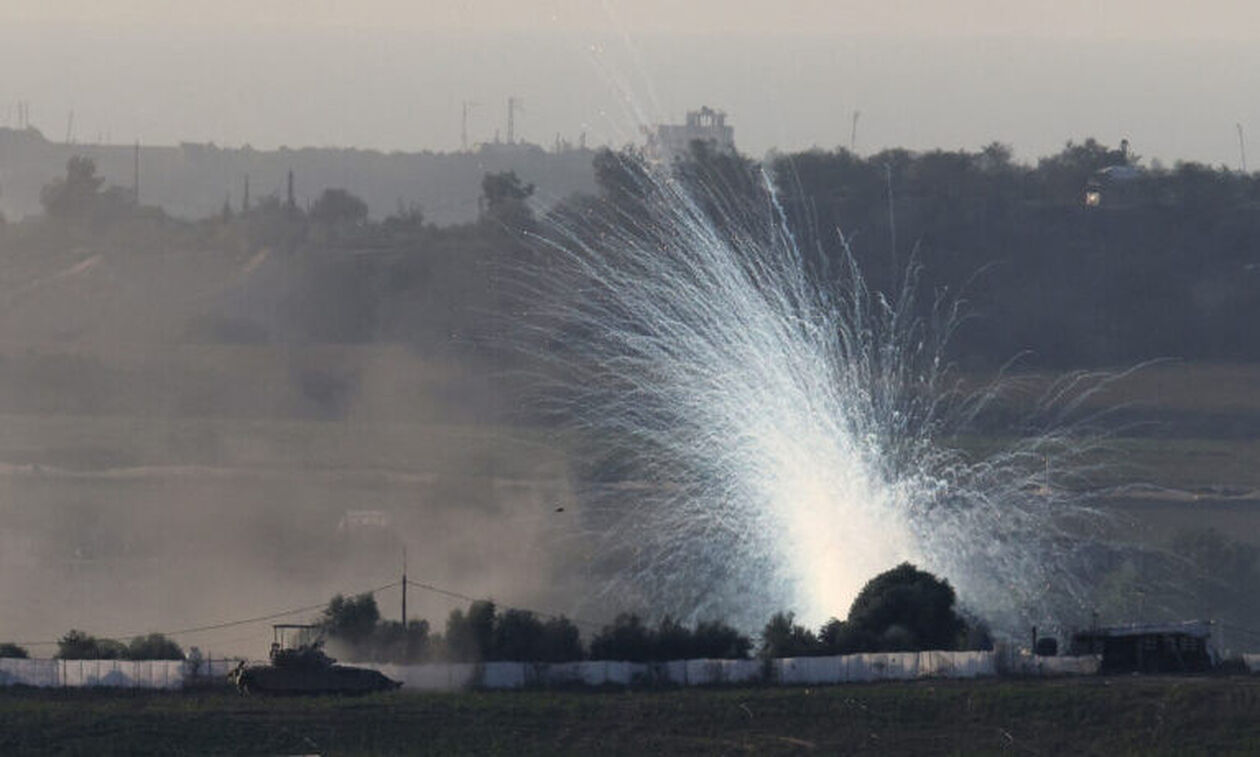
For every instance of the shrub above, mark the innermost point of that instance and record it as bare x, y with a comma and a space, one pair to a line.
155, 646
905, 609
470, 637
625, 639
8, 649
77, 645
783, 637
351, 620
517, 636
715, 640
560, 641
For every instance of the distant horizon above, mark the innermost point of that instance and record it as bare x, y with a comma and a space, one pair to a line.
403, 90
570, 146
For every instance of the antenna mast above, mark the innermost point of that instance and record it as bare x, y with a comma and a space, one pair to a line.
463, 124
1242, 147
135, 176
514, 104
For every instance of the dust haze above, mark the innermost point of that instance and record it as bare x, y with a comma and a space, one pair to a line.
180, 451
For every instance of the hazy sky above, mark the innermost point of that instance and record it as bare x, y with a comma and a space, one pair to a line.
1175, 78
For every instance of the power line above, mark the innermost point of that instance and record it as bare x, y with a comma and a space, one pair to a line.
216, 626
319, 606
466, 598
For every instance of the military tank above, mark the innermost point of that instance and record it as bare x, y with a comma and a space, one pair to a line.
301, 667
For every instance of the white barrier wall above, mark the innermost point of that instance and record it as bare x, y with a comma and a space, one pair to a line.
794, 671
1032, 665
132, 674
799, 671
1252, 661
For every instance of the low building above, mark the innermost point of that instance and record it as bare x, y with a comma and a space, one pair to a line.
706, 125
1157, 648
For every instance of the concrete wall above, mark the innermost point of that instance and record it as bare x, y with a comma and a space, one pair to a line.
132, 674
792, 671
893, 666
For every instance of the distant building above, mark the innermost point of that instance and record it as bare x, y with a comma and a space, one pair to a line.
706, 125
1119, 186
1160, 648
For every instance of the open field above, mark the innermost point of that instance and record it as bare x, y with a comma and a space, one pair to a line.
1110, 716
158, 512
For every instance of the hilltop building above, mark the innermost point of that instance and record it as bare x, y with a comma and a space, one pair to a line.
706, 125
1158, 648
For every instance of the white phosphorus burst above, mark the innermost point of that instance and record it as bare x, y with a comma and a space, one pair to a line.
781, 434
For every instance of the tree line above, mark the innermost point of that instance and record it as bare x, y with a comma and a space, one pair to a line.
903, 609
1166, 265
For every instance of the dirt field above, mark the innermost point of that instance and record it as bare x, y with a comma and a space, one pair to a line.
1103, 716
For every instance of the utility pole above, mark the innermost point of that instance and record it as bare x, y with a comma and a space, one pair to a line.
514, 104
1242, 147
292, 201
853, 134
135, 177
463, 124
245, 196
70, 128
404, 590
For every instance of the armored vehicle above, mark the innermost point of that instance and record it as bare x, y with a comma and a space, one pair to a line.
298, 665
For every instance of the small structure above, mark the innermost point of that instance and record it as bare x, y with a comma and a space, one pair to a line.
1123, 185
706, 125
1158, 648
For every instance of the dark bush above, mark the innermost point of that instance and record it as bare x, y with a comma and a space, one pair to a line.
77, 645
470, 637
155, 646
625, 639
351, 620
518, 636
391, 642
8, 649
905, 609
783, 637
560, 641
714, 640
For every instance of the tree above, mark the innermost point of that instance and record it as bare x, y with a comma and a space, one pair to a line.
560, 641
392, 642
155, 646
9, 649
470, 637
783, 637
716, 640
672, 641
625, 639
74, 195
906, 609
338, 209
500, 189
517, 636
405, 224
351, 619
77, 645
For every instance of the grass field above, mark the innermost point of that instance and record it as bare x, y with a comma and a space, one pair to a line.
1105, 716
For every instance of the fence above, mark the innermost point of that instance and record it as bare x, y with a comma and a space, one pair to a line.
893, 666
790, 671
130, 674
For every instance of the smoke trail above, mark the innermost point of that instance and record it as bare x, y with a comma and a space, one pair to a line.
784, 424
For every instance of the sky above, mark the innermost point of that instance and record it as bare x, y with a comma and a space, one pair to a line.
1176, 79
